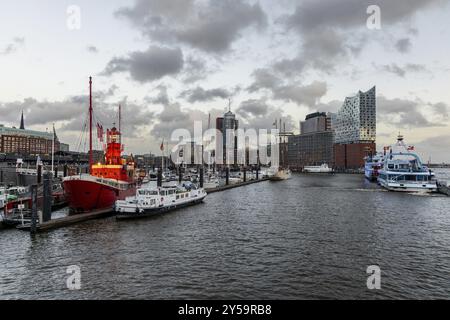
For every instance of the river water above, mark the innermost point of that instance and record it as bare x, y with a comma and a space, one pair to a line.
310, 237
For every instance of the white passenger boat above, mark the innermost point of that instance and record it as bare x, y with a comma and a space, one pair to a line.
151, 201
324, 168
403, 171
372, 166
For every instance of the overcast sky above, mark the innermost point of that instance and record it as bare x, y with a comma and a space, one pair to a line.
174, 61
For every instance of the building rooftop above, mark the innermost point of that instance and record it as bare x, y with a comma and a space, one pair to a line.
20, 132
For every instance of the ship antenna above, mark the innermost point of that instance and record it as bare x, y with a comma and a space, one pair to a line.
90, 125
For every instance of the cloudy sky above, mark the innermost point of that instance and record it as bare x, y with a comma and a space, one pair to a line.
170, 62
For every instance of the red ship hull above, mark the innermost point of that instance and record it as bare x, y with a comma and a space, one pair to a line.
86, 196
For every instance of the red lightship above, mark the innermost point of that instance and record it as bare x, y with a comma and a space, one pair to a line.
113, 180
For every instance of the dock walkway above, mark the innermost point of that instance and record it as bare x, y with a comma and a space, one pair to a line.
67, 221
232, 186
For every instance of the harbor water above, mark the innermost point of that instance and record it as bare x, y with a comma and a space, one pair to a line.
309, 237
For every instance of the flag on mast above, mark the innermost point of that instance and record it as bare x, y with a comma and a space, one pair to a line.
100, 132
162, 146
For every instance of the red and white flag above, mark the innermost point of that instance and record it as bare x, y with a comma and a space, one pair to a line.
100, 132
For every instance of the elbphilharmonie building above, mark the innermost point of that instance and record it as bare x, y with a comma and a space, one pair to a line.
356, 121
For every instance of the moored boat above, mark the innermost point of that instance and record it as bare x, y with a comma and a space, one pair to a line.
403, 171
106, 182
372, 166
279, 174
151, 201
324, 168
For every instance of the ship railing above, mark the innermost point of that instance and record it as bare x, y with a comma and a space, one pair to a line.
397, 180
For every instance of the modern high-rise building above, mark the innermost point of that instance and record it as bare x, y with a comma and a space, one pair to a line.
356, 121
355, 130
228, 124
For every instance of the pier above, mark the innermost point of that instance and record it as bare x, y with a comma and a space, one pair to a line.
67, 221
232, 186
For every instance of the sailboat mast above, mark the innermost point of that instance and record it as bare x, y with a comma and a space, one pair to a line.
90, 125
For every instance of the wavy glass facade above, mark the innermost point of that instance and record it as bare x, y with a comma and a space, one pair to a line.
356, 121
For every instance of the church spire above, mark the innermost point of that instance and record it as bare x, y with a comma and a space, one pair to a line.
22, 123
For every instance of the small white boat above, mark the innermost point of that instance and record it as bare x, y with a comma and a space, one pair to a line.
279, 174
324, 168
151, 201
211, 183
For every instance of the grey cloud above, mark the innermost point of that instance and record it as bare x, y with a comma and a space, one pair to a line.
39, 112
70, 114
201, 95
263, 79
290, 67
403, 113
311, 15
258, 114
173, 117
211, 26
12, 47
92, 49
301, 94
333, 31
308, 95
149, 65
402, 71
195, 69
253, 108
403, 45
161, 98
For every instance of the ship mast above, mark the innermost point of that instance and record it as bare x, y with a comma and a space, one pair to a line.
90, 125
120, 120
